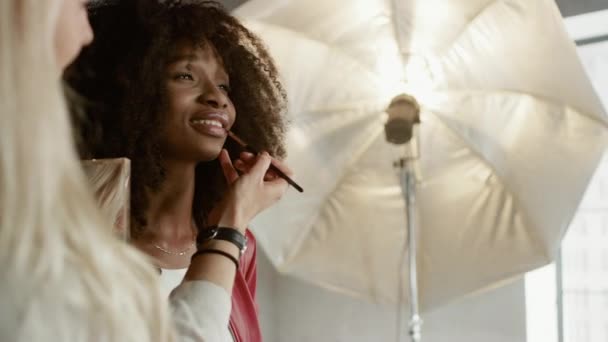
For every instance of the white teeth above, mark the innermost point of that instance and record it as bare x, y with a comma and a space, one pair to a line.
207, 122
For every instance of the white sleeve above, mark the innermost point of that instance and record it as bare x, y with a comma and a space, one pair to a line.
201, 311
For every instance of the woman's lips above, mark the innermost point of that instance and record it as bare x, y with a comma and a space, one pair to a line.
209, 127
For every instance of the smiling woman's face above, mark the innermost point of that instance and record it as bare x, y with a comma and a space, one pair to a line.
199, 106
72, 31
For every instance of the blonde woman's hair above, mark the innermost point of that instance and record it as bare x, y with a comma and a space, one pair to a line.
110, 182
64, 276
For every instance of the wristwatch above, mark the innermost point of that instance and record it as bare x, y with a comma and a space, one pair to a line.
222, 233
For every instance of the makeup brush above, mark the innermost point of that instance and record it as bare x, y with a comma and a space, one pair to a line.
275, 169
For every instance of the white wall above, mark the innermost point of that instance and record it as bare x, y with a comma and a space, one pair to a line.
292, 311
583, 248
267, 297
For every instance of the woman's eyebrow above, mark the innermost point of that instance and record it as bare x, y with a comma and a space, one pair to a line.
180, 58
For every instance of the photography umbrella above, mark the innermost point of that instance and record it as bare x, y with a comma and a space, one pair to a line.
510, 134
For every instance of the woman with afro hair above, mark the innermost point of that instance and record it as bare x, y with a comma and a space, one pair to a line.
163, 82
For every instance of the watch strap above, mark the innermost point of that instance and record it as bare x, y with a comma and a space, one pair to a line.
222, 233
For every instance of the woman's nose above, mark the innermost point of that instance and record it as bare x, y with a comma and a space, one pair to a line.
213, 96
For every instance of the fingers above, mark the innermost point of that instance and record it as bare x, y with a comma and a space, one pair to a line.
247, 156
227, 168
259, 169
241, 166
274, 185
245, 162
283, 167
247, 159
270, 176
244, 168
256, 189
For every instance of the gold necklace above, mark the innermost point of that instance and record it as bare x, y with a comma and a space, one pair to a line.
180, 253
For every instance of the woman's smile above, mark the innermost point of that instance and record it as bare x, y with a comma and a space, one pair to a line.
210, 127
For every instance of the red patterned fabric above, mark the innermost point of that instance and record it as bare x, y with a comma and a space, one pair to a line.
244, 316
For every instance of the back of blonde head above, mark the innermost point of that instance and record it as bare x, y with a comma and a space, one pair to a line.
64, 276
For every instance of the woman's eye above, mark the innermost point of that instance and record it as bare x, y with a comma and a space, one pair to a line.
225, 88
184, 76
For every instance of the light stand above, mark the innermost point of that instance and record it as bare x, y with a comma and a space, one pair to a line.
402, 129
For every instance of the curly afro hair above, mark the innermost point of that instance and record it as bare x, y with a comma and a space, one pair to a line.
121, 76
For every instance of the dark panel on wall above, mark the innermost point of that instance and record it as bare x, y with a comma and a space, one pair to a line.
575, 7
232, 4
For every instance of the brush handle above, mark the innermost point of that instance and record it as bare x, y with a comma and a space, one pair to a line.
276, 170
